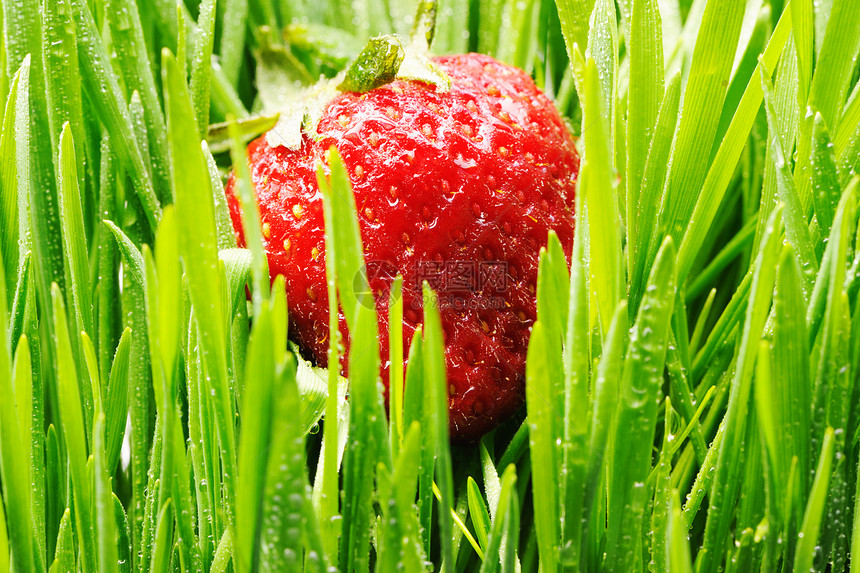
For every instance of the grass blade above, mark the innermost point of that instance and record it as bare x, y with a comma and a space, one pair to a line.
198, 248
123, 19
825, 179
599, 196
436, 420
636, 417
12, 457
541, 370
644, 96
796, 228
102, 85
815, 508
719, 175
73, 433
703, 99
727, 475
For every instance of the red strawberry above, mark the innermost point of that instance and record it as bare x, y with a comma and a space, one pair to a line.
459, 188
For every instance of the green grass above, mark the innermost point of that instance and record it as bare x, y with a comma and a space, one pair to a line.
692, 380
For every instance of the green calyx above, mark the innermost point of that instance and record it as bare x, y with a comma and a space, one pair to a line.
376, 65
384, 59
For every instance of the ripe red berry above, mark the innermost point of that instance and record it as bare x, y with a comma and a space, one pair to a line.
458, 188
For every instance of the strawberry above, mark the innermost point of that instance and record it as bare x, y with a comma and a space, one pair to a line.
457, 187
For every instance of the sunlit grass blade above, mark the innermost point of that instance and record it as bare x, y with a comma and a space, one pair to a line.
5, 563
104, 514
791, 371
395, 353
162, 542
574, 16
647, 201
478, 513
74, 239
254, 442
64, 557
201, 69
349, 271
576, 364
116, 404
677, 544
22, 47
286, 500
232, 46
603, 49
12, 161
831, 79
63, 77
413, 411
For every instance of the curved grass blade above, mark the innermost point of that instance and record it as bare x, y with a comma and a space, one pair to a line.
12, 162
5, 563
250, 220
349, 272
796, 227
